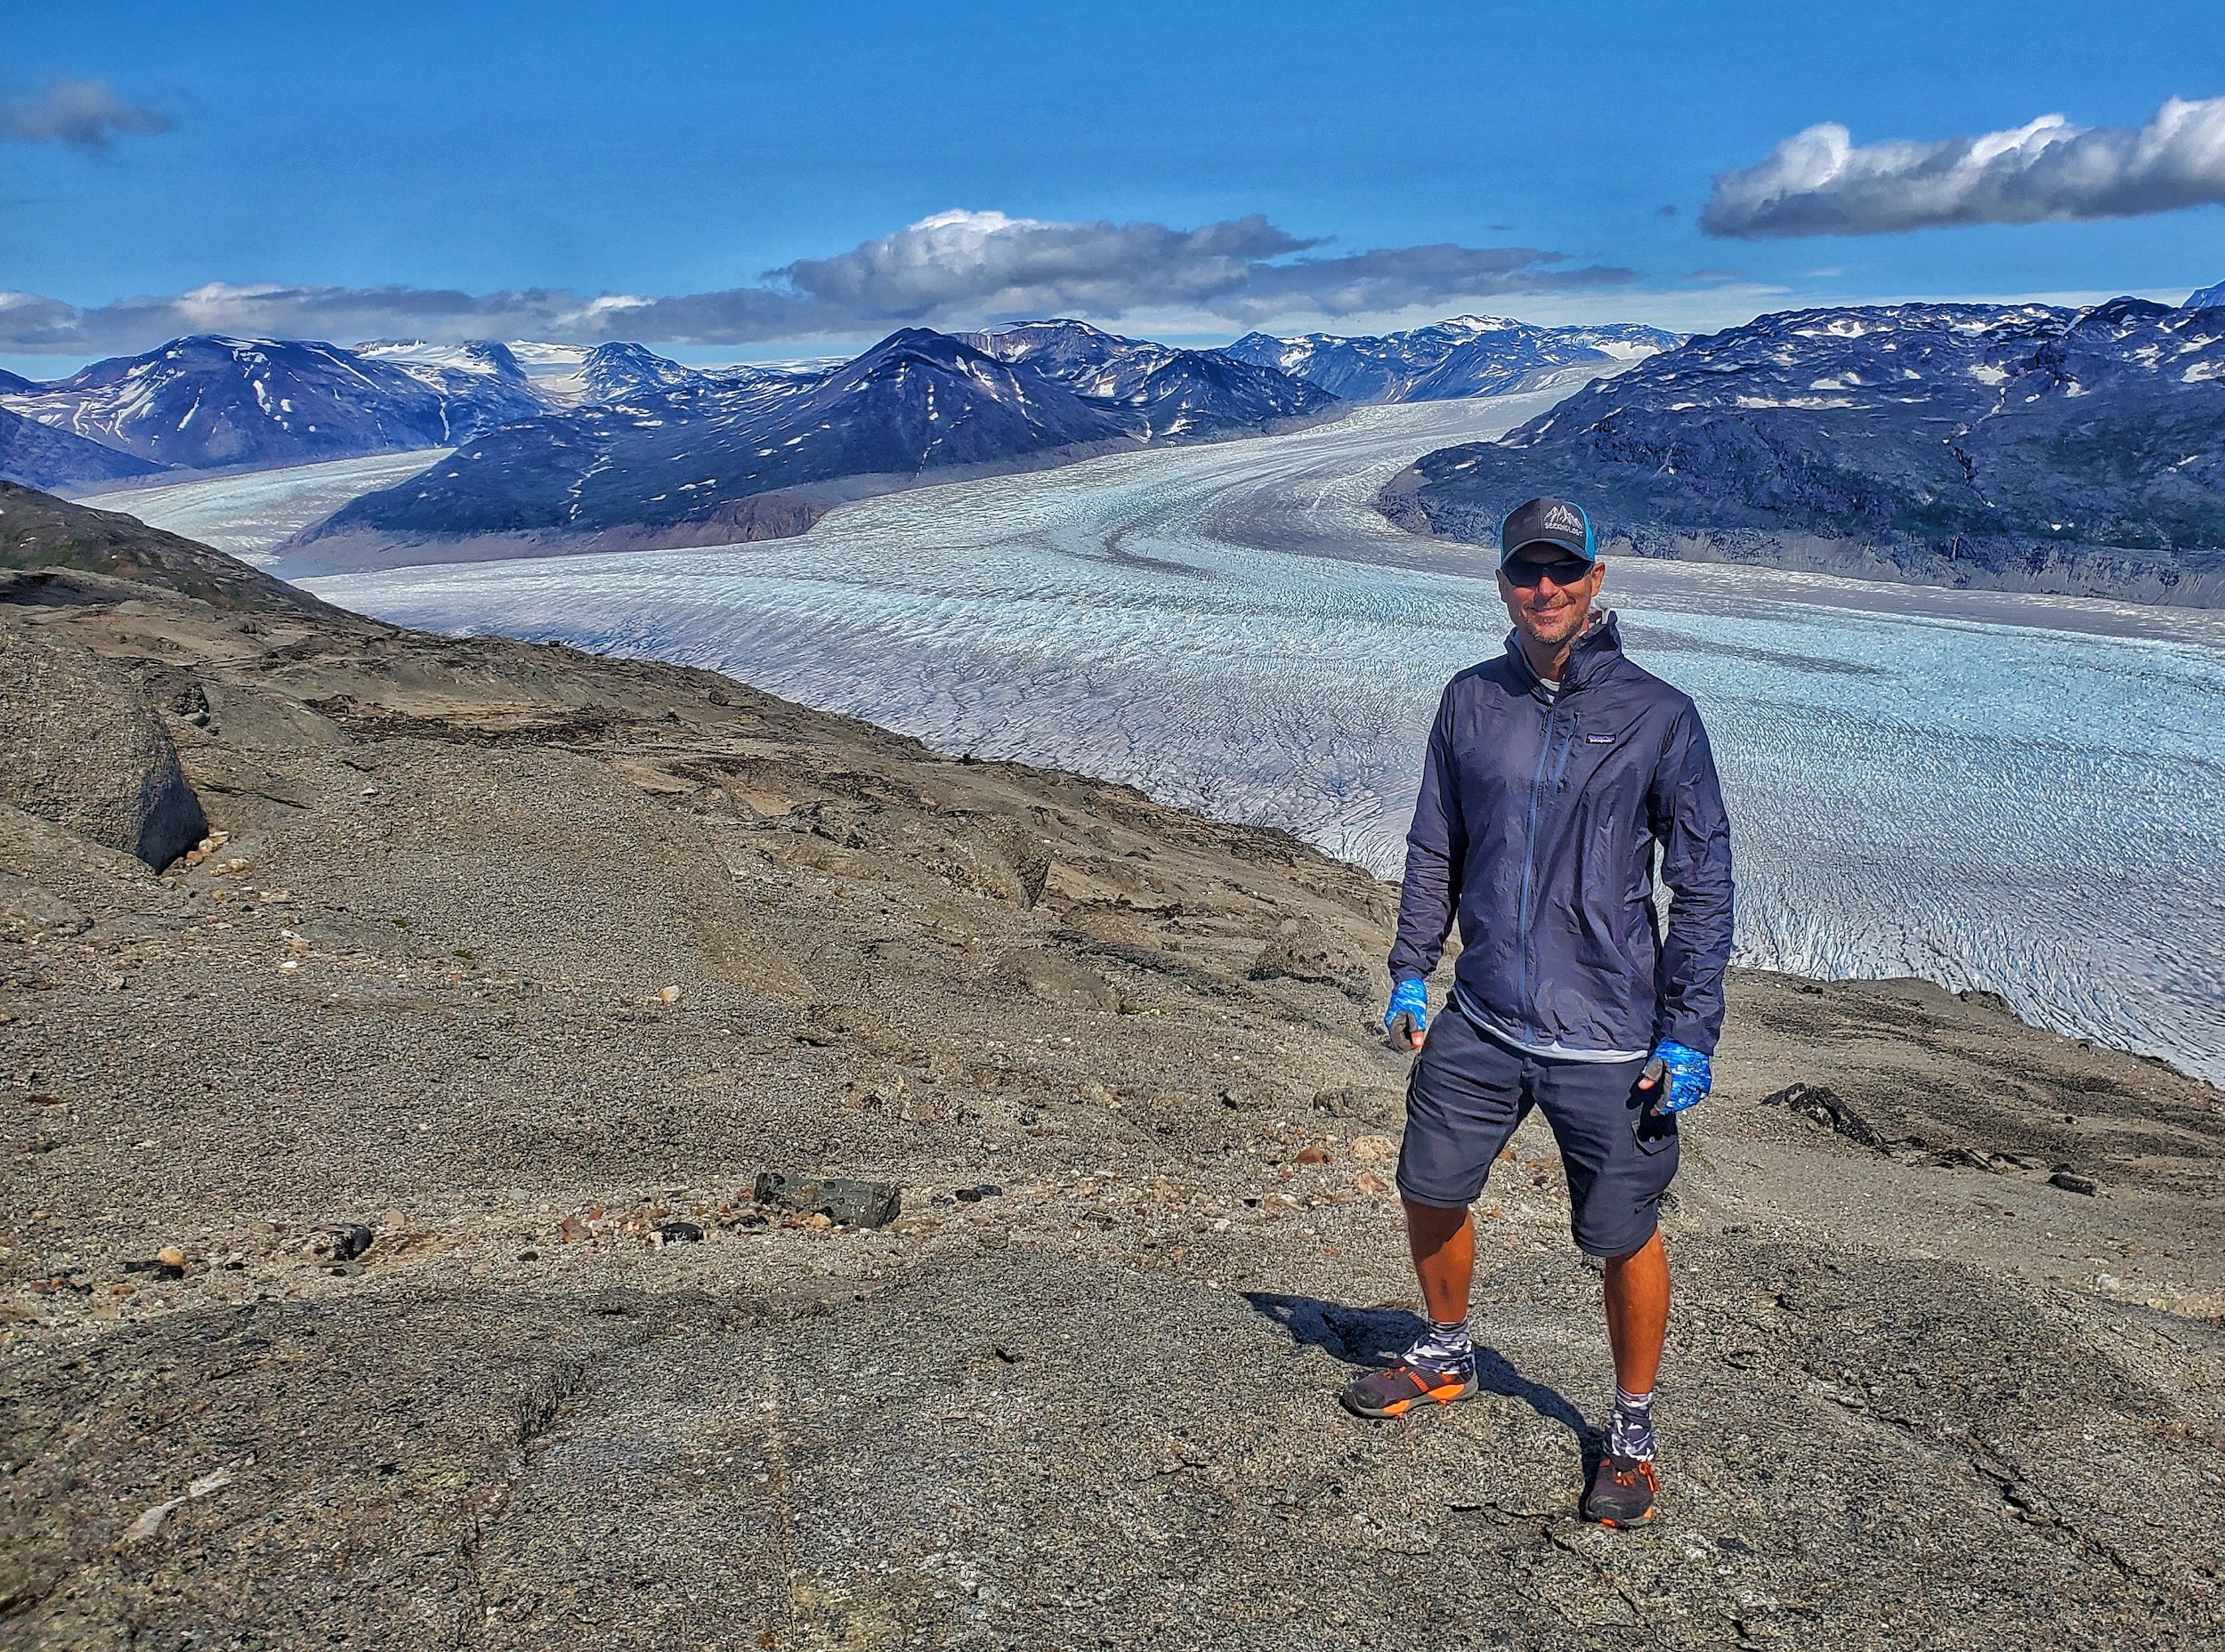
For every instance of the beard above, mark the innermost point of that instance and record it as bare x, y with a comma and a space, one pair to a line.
1562, 625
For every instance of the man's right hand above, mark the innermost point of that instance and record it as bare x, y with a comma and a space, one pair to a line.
1407, 1020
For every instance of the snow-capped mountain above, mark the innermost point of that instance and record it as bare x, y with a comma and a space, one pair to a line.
620, 372
1159, 391
2208, 298
209, 401
2005, 445
41, 457
480, 384
1466, 356
724, 454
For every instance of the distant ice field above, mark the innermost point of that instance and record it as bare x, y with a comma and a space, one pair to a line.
2020, 794
248, 513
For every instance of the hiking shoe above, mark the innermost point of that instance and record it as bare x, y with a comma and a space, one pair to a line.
1396, 1389
1622, 1491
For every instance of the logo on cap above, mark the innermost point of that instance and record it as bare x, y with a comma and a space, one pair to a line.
1547, 520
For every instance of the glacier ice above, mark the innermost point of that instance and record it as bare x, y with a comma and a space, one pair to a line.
250, 513
2025, 795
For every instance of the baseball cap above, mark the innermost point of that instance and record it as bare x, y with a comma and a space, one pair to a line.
1547, 520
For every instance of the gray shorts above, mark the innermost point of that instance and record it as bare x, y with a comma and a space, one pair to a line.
1467, 1093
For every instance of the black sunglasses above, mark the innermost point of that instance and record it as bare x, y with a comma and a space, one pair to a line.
1565, 571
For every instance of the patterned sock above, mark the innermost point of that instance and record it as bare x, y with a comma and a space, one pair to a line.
1445, 1347
1630, 1426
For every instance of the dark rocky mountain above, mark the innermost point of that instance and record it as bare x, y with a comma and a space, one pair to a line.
207, 402
12, 383
620, 372
723, 456
41, 457
1466, 356
1159, 391
671, 455
480, 384
2019, 447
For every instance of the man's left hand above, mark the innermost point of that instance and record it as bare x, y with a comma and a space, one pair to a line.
1678, 1077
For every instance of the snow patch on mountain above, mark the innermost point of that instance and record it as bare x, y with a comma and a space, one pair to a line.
1467, 356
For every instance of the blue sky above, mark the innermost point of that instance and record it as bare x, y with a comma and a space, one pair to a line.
664, 150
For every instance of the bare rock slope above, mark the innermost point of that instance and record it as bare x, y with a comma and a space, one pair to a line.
354, 1295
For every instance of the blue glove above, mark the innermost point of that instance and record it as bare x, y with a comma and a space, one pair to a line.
1409, 1013
1681, 1074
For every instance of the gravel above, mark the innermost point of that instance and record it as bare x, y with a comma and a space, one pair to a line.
1079, 1390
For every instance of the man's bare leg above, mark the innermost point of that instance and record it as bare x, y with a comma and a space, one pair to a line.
1638, 1311
1623, 1485
1444, 1246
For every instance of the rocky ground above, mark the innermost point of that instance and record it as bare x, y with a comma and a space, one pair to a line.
352, 1294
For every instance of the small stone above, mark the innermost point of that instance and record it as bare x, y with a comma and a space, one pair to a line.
529, 1255
670, 995
344, 1242
1311, 1156
572, 1230
1373, 1149
851, 1203
817, 1218
2071, 1181
149, 1521
1371, 1183
393, 1221
170, 1256
679, 1233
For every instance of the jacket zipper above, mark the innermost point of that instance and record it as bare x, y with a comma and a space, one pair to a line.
1529, 868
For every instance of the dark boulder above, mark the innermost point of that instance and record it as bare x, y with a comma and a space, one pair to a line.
79, 746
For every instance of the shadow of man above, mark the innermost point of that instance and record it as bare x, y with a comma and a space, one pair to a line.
1375, 1336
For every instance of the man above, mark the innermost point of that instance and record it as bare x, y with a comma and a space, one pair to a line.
1554, 775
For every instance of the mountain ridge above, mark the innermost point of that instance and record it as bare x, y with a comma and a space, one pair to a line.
2012, 446
1462, 356
686, 457
38, 455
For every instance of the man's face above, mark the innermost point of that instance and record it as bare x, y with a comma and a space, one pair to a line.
1548, 593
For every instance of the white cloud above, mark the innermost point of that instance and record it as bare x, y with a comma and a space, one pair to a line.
86, 114
1820, 182
956, 269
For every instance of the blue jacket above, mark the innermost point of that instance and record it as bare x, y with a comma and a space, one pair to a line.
1537, 824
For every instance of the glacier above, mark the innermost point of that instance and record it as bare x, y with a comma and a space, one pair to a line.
251, 513
2023, 795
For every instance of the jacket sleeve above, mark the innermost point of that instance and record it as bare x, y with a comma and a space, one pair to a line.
1686, 804
1437, 847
